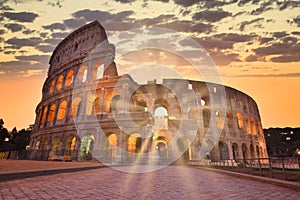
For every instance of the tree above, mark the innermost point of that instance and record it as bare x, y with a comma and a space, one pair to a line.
3, 133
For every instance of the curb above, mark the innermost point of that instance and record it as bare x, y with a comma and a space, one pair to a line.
8, 176
287, 184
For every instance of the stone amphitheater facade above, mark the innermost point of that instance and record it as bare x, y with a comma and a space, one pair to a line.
88, 111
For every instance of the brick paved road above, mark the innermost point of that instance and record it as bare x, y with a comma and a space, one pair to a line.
173, 182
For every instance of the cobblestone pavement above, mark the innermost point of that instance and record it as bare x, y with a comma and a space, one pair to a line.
173, 182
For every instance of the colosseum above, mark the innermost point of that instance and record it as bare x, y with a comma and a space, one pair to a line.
89, 111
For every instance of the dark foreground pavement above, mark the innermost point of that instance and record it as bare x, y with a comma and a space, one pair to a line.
173, 182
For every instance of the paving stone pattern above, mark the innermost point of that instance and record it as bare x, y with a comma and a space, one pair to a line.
173, 182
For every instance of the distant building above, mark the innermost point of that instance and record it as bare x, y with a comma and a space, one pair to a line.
122, 121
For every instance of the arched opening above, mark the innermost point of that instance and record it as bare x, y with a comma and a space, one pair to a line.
253, 124
59, 82
161, 146
257, 151
37, 145
229, 118
55, 147
240, 120
219, 119
244, 151
70, 145
75, 107
223, 150
111, 146
86, 147
193, 113
62, 110
114, 104
183, 148
235, 151
51, 113
252, 151
69, 78
206, 117
92, 104
141, 106
99, 71
45, 149
134, 145
248, 127
82, 74
44, 115
160, 119
51, 88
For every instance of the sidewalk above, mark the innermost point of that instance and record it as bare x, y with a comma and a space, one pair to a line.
18, 169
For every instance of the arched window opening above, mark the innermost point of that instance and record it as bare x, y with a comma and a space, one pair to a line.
161, 145
92, 105
240, 120
160, 118
86, 147
99, 72
141, 106
82, 74
235, 151
69, 78
75, 107
62, 110
252, 151
59, 82
55, 147
51, 113
134, 143
51, 89
223, 150
229, 118
206, 117
219, 119
253, 128
37, 145
112, 145
248, 126
114, 104
44, 115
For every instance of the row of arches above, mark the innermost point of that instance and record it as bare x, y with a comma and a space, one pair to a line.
66, 80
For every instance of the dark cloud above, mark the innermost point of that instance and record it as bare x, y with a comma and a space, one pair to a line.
296, 32
244, 2
234, 37
2, 31
74, 23
157, 20
286, 58
186, 3
290, 39
208, 4
28, 32
266, 75
280, 34
55, 26
297, 20
17, 43
288, 4
23, 68
211, 16
43, 34
14, 27
58, 3
246, 23
52, 41
59, 35
213, 44
265, 6
91, 15
9, 52
223, 59
21, 16
253, 58
124, 1
36, 58
45, 48
263, 40
202, 28
186, 26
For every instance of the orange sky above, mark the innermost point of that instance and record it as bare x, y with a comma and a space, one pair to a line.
254, 45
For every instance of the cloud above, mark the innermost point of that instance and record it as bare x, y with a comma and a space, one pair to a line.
186, 26
211, 16
37, 58
297, 20
186, 3
296, 32
28, 32
288, 75
280, 34
45, 48
19, 43
288, 4
91, 15
263, 8
55, 26
125, 1
59, 35
21, 16
14, 27
223, 59
247, 23
74, 23
286, 58
2, 31
264, 40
